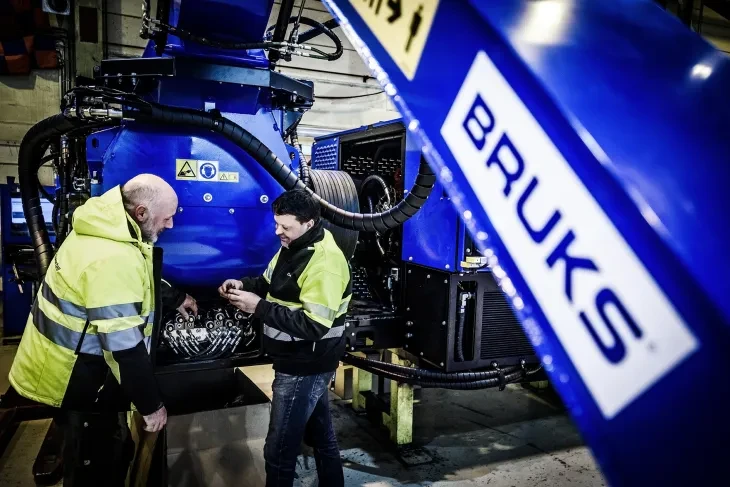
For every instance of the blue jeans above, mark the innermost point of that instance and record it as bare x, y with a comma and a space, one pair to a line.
300, 410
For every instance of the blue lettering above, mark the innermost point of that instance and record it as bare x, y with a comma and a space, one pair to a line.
616, 352
537, 235
571, 262
511, 177
479, 122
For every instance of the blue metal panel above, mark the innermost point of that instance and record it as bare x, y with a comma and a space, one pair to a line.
226, 229
639, 129
224, 18
430, 237
325, 154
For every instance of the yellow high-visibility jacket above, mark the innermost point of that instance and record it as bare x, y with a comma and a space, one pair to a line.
92, 316
307, 289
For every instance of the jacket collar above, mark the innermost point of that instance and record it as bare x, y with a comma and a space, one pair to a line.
314, 234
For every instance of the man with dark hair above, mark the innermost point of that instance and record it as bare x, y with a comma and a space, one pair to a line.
301, 299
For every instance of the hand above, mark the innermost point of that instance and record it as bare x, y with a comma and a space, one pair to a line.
243, 300
155, 421
229, 284
188, 304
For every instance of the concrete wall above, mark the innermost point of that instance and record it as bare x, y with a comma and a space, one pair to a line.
25, 100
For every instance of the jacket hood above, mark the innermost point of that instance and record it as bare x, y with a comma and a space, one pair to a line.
104, 216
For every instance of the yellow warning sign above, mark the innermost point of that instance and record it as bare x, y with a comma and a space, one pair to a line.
228, 177
401, 26
186, 169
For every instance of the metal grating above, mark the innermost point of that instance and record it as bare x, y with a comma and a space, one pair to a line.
359, 166
502, 334
325, 157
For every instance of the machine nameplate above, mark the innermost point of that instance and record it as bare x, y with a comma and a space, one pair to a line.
206, 171
401, 26
614, 321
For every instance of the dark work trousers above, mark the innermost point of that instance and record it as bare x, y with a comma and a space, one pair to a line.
98, 447
300, 410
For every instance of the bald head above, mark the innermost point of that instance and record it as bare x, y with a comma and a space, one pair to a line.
151, 202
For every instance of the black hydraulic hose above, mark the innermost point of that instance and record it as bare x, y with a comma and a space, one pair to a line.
366, 364
460, 335
461, 321
377, 222
304, 173
30, 157
280, 27
456, 385
379, 180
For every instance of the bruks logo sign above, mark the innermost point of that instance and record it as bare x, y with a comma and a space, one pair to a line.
610, 316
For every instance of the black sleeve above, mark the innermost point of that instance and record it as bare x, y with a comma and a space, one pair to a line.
292, 322
137, 378
256, 285
172, 298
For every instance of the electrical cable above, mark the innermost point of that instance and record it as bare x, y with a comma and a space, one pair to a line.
152, 27
350, 97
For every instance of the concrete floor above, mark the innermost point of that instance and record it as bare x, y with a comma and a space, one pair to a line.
505, 439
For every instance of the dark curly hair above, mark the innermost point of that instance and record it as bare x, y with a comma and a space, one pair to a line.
299, 203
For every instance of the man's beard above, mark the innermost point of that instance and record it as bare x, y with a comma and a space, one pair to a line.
148, 233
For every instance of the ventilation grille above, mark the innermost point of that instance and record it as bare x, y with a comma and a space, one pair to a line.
360, 288
325, 157
502, 334
360, 167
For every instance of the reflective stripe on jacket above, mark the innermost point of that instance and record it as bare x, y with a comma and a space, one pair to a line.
307, 289
99, 286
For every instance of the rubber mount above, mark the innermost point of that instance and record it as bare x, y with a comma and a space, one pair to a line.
338, 188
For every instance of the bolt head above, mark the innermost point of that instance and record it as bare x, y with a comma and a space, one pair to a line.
180, 210
448, 266
87, 462
442, 364
428, 276
353, 334
264, 199
405, 346
207, 197
443, 323
408, 309
231, 211
421, 354
410, 258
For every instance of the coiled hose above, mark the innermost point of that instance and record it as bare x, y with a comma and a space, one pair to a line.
377, 222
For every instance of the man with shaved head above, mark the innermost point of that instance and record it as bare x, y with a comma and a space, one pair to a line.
85, 345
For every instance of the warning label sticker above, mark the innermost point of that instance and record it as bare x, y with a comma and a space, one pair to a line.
401, 26
185, 169
206, 171
228, 177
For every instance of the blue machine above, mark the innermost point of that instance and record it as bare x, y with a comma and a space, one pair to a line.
586, 161
18, 264
590, 162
